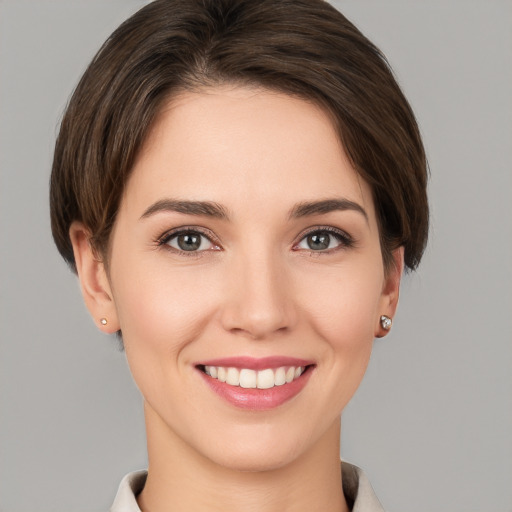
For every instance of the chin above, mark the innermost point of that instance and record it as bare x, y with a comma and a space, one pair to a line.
255, 461
256, 453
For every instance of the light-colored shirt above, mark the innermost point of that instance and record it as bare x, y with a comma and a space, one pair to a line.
356, 487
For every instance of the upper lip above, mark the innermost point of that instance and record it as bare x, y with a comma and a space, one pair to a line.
256, 363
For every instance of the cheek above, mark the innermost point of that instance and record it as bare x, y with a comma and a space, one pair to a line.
343, 317
343, 304
162, 309
162, 312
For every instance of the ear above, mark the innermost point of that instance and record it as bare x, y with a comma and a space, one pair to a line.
94, 281
390, 291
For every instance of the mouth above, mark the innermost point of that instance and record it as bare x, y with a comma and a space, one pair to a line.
256, 384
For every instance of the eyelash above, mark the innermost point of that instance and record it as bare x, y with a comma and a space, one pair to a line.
345, 240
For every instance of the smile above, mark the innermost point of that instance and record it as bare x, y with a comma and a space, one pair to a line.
256, 383
255, 379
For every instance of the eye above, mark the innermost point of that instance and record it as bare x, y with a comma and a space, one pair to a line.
324, 240
188, 241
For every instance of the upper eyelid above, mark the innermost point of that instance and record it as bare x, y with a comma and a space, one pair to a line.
329, 229
188, 229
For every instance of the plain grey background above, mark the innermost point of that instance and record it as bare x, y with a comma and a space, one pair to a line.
431, 423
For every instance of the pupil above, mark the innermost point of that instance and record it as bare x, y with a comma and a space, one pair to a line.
319, 241
189, 242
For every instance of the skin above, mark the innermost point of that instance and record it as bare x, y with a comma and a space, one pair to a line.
257, 289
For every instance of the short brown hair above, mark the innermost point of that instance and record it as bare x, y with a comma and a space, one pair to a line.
301, 47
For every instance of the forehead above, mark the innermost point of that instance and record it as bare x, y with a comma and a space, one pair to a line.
235, 144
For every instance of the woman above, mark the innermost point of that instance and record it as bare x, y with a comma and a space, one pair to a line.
239, 186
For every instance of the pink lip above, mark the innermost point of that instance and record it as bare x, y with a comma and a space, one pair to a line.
252, 398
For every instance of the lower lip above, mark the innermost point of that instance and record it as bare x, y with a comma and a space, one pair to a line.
257, 399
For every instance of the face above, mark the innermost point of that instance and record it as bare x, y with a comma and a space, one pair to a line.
246, 249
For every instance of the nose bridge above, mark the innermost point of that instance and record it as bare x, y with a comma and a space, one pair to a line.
259, 302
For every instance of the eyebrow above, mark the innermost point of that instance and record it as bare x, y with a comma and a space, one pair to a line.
306, 209
212, 209
205, 208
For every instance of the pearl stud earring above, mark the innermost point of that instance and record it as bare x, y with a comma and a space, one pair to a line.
104, 321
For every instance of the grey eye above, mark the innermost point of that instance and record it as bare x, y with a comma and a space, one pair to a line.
318, 241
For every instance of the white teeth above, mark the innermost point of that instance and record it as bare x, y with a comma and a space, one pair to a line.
233, 377
265, 379
247, 378
280, 377
250, 379
221, 374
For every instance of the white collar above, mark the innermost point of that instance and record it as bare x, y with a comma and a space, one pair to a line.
356, 487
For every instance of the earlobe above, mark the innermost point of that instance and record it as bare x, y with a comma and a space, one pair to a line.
94, 283
390, 294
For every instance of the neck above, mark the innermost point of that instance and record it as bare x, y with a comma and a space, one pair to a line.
180, 479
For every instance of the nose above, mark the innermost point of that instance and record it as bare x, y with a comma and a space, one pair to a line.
259, 302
